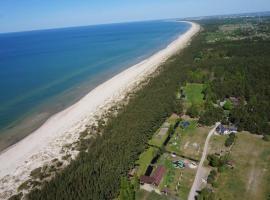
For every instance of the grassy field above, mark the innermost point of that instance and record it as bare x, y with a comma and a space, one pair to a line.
189, 141
145, 159
194, 95
144, 195
250, 178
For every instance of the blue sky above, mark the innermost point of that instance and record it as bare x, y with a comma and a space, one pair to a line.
17, 15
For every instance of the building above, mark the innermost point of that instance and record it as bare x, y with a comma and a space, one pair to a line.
226, 130
184, 124
146, 179
158, 175
155, 178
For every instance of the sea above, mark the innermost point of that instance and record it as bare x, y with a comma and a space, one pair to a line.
42, 72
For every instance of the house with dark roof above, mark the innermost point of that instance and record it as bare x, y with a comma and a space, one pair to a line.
184, 124
225, 130
155, 178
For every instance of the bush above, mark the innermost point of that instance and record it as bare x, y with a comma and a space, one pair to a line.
213, 160
228, 105
230, 140
205, 194
25, 185
16, 196
36, 173
193, 111
212, 177
221, 168
215, 184
266, 138
216, 161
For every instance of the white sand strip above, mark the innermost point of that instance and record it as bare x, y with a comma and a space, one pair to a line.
45, 143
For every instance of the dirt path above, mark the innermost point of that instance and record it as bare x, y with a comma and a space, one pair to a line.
200, 172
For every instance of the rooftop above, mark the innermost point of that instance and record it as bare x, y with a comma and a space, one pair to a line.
155, 178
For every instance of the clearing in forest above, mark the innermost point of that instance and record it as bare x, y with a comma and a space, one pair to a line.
194, 95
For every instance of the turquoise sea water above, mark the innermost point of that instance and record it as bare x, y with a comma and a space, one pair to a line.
49, 69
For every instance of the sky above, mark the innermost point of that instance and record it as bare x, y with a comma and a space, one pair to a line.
21, 15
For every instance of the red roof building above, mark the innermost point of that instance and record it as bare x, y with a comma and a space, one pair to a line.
155, 178
147, 179
158, 174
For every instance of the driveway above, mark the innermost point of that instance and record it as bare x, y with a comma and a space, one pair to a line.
200, 171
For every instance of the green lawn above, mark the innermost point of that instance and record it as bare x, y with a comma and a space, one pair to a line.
145, 159
193, 92
250, 178
144, 195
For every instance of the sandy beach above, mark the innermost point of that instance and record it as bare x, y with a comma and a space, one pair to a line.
46, 143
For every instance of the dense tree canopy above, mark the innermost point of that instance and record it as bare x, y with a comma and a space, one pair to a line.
228, 68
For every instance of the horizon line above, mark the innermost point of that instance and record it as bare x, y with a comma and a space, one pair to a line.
132, 21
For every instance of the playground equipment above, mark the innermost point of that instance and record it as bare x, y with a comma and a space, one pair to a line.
179, 164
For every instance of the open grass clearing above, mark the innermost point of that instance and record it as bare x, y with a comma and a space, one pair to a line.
145, 195
194, 95
250, 177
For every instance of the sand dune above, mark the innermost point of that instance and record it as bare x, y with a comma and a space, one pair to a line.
45, 143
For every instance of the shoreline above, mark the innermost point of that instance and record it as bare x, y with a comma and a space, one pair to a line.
45, 143
30, 120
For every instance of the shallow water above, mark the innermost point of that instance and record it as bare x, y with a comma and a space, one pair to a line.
43, 72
